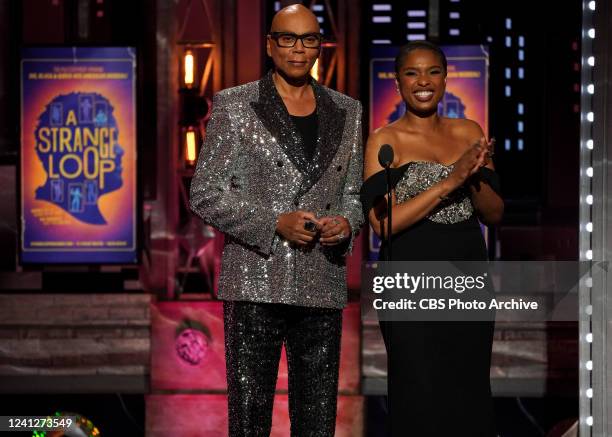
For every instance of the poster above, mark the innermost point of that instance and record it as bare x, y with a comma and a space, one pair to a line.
78, 155
467, 93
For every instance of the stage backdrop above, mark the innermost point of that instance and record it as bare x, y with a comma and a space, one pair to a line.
78, 155
467, 93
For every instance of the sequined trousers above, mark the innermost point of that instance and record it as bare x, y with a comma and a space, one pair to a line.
254, 335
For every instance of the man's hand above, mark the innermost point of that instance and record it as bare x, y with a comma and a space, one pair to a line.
290, 226
334, 229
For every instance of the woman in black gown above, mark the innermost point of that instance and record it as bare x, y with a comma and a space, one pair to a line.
444, 184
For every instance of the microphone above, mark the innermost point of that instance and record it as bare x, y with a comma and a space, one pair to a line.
385, 158
385, 155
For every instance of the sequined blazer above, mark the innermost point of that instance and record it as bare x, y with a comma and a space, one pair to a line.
252, 167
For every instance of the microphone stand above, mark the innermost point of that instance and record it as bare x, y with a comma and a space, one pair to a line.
389, 209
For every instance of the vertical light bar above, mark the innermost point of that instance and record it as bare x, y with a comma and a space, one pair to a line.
520, 75
596, 52
587, 116
416, 24
509, 42
190, 146
189, 68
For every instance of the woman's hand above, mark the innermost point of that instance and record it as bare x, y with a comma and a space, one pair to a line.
490, 146
476, 156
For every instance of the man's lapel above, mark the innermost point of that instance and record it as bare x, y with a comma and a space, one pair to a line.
331, 127
273, 114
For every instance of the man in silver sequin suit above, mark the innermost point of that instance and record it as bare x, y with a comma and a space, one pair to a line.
282, 284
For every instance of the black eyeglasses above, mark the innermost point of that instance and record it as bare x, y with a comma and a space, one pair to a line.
287, 39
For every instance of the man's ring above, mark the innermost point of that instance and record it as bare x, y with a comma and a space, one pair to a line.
340, 236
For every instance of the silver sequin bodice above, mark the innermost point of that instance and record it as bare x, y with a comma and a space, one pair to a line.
420, 176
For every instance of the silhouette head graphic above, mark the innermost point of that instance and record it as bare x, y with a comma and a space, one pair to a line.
77, 144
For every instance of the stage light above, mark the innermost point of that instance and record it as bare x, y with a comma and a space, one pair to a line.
589, 420
314, 71
589, 254
195, 107
189, 67
589, 365
415, 13
381, 19
589, 199
591, 61
590, 116
589, 227
591, 33
591, 88
589, 144
381, 7
589, 172
589, 337
416, 25
592, 5
190, 145
589, 393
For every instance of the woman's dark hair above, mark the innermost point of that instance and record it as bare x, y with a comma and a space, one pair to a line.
405, 50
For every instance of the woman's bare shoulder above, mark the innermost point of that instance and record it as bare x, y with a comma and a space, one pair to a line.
382, 135
464, 128
386, 131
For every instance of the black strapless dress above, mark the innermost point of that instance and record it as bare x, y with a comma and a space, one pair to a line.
438, 372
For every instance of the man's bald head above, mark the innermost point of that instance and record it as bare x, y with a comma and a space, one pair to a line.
295, 18
291, 25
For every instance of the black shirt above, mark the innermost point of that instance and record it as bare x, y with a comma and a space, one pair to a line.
308, 127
